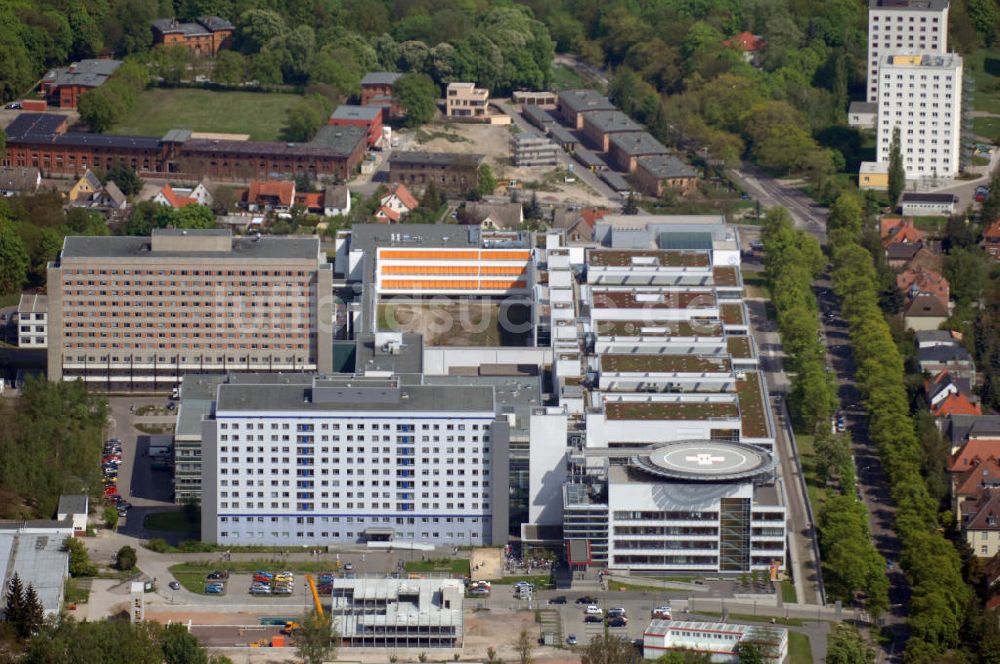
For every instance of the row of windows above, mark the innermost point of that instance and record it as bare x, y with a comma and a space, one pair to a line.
326, 535
173, 273
360, 439
360, 426
360, 483
350, 460
347, 471
474, 505
139, 359
310, 520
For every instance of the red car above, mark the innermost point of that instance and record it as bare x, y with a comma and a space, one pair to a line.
110, 490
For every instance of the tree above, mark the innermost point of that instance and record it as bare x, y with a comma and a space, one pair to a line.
171, 62
487, 182
524, 646
99, 110
79, 559
305, 118
315, 641
67, 641
417, 95
630, 206
15, 611
610, 649
897, 173
32, 614
125, 559
181, 647
965, 269
230, 68
13, 259
533, 209
194, 217
110, 517
845, 645
126, 177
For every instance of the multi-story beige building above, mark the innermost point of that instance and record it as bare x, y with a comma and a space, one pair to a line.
465, 100
139, 312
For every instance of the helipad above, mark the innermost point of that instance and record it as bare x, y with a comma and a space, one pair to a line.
705, 460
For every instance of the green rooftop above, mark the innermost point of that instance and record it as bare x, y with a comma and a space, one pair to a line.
673, 328
752, 415
732, 314
647, 258
669, 410
649, 363
726, 277
739, 347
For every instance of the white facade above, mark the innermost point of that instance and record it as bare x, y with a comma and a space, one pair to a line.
718, 640
32, 321
922, 95
898, 25
350, 461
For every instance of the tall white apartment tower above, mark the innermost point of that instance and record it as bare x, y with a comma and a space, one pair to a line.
903, 25
922, 95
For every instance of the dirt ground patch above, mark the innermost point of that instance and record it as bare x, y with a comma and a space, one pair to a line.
468, 322
494, 142
486, 563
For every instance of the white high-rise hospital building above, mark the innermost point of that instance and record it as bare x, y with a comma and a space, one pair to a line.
903, 25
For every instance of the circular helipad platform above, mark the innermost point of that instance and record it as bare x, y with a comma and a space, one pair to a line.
705, 460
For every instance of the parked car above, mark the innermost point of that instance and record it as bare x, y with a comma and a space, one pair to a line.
571, 640
559, 599
617, 622
173, 585
13, 106
218, 575
663, 612
586, 599
348, 567
593, 619
593, 610
214, 589
479, 591
616, 612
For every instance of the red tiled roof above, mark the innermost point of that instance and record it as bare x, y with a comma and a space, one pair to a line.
309, 200
897, 230
405, 197
175, 201
590, 216
923, 280
982, 473
956, 403
746, 41
976, 448
387, 213
282, 190
993, 231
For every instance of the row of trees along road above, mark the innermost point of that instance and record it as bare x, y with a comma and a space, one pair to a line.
852, 567
940, 598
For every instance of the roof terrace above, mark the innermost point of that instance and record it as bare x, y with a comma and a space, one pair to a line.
739, 347
670, 410
726, 277
753, 415
650, 363
653, 300
732, 314
680, 328
619, 258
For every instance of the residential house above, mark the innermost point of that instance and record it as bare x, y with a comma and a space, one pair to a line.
659, 174
577, 223
110, 197
464, 100
378, 89
981, 524
84, 189
956, 404
966, 484
942, 385
991, 240
395, 204
64, 86
310, 201
19, 181
937, 338
493, 216
749, 44
206, 35
178, 197
925, 297
336, 200
901, 239
963, 429
270, 195
955, 359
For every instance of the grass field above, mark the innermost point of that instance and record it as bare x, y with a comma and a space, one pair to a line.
799, 649
564, 78
807, 455
172, 522
447, 566
159, 110
788, 592
988, 128
984, 64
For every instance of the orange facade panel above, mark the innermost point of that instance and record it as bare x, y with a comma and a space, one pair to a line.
428, 254
437, 284
506, 255
470, 270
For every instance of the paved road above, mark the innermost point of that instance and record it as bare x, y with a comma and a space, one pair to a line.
805, 212
587, 72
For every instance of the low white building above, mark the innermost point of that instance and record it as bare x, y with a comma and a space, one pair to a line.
336, 200
32, 321
76, 508
914, 204
354, 459
862, 114
34, 551
719, 640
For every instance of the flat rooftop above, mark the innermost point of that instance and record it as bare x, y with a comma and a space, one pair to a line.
726, 277
650, 363
705, 460
266, 247
650, 258
653, 300
585, 100
731, 313
671, 410
610, 122
355, 398
909, 5
739, 347
638, 143
354, 112
438, 159
682, 328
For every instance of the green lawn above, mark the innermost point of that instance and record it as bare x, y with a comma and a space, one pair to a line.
77, 591
984, 65
459, 566
931, 224
158, 110
173, 522
632, 587
799, 650
749, 617
564, 78
788, 592
541, 581
988, 128
193, 581
807, 456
